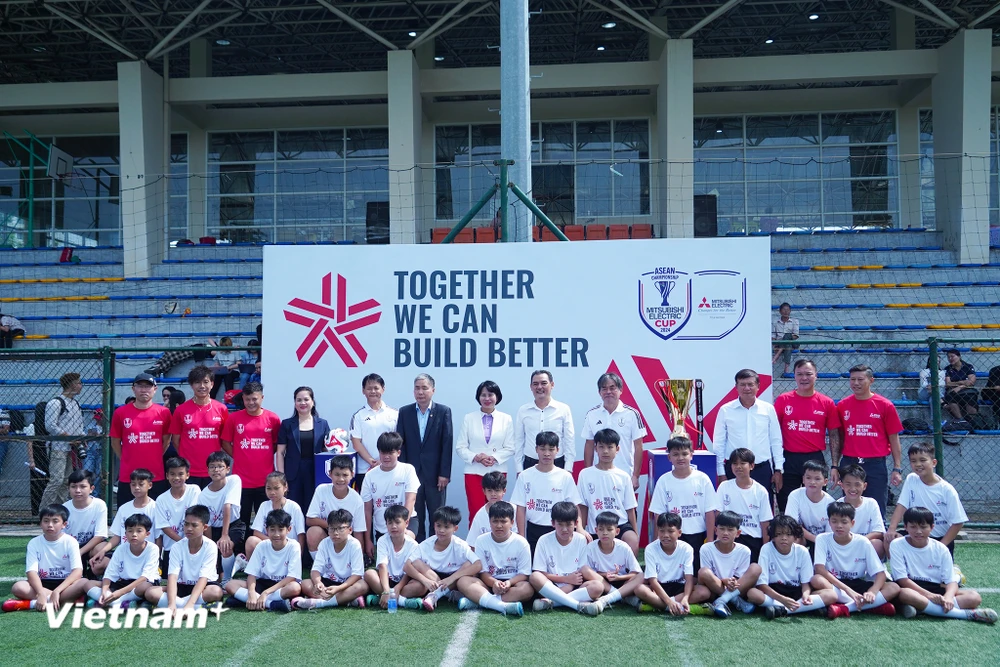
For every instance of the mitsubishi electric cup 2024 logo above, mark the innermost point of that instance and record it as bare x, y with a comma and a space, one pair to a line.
666, 307
332, 323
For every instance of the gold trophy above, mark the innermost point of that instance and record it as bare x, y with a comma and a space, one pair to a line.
678, 395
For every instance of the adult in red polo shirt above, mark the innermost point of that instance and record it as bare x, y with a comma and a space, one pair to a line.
139, 437
197, 424
250, 436
870, 429
805, 416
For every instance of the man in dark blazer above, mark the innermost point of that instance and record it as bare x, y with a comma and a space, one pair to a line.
428, 436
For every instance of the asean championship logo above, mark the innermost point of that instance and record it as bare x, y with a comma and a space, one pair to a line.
332, 323
665, 300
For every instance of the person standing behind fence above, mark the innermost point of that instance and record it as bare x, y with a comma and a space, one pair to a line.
806, 417
870, 430
62, 418
139, 436
197, 424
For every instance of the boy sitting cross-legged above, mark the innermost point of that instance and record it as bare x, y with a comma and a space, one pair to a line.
614, 562
192, 577
669, 573
337, 575
274, 570
133, 569
787, 583
440, 562
52, 566
391, 553
922, 567
848, 561
560, 560
502, 584
726, 570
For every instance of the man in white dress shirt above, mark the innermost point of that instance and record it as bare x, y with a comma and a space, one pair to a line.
751, 423
544, 414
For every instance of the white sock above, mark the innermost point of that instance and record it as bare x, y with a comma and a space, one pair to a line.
332, 602
817, 603
276, 595
771, 602
181, 601
612, 597
129, 597
879, 601
934, 609
199, 601
581, 595
556, 594
490, 601
400, 601
729, 595
32, 604
242, 594
313, 554
227, 567
439, 593
162, 602
94, 593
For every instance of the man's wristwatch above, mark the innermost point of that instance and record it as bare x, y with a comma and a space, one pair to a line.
899, 470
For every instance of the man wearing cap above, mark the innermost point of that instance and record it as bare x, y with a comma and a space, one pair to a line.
139, 437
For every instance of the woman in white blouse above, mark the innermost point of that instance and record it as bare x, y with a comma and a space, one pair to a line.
485, 442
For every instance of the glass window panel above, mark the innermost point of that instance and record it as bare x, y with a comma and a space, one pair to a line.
593, 190
718, 165
367, 175
481, 179
241, 210
718, 132
367, 143
177, 218
241, 178
87, 213
310, 209
727, 225
859, 128
856, 196
178, 148
311, 145
926, 125
631, 189
357, 206
88, 181
240, 146
452, 192
790, 198
786, 163
782, 130
485, 143
14, 184
856, 161
557, 143
323, 177
90, 150
593, 141
631, 140
178, 180
729, 197
451, 144
553, 191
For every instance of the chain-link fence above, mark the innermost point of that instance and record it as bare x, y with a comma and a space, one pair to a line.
959, 412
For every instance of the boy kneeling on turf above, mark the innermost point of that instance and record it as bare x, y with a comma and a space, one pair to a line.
849, 562
927, 581
192, 577
502, 584
440, 562
391, 553
787, 582
560, 557
337, 575
613, 561
726, 570
52, 566
274, 570
670, 572
134, 567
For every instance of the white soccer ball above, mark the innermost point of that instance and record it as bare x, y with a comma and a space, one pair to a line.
339, 442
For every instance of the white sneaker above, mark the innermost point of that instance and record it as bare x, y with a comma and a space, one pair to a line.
541, 604
240, 564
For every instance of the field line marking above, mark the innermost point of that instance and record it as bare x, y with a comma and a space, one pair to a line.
461, 640
9, 580
988, 590
681, 642
245, 653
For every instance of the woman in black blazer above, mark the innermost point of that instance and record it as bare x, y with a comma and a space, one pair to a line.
301, 436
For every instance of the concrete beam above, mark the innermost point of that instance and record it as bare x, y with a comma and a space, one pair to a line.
76, 94
271, 88
860, 66
601, 76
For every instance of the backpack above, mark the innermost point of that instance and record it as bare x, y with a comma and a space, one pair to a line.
40, 428
982, 421
916, 425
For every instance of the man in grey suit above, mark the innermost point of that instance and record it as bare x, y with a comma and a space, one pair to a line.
428, 436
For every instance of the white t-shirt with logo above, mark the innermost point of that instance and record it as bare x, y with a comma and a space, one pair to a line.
386, 554
733, 564
621, 560
386, 488
792, 569
932, 563
481, 525
190, 567
324, 501
811, 515
87, 523
669, 568
504, 560
752, 504
170, 512
941, 499
339, 567
216, 501
626, 421
127, 510
868, 517
292, 507
855, 560
691, 498
457, 554
125, 565
554, 558
606, 491
367, 425
55, 559
266, 563
537, 492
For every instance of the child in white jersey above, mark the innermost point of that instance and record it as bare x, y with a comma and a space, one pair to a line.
276, 488
559, 564
391, 483
807, 504
168, 519
274, 570
140, 483
614, 562
337, 575
440, 562
133, 568
868, 519
391, 553
670, 584
540, 487
494, 488
726, 570
223, 497
88, 516
192, 577
337, 495
53, 569
605, 488
502, 584
749, 499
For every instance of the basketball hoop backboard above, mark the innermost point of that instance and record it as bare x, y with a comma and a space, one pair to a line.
60, 163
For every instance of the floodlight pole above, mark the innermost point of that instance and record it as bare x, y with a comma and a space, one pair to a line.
515, 109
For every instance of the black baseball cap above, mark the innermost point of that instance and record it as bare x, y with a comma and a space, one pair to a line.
144, 377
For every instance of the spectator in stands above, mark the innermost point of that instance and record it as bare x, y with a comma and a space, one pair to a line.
62, 418
924, 393
785, 327
960, 398
226, 365
991, 392
247, 360
5, 429
255, 376
165, 394
10, 327
168, 360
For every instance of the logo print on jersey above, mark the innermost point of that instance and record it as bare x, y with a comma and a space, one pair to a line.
590, 489
847, 415
128, 422
788, 410
332, 323
188, 419
240, 428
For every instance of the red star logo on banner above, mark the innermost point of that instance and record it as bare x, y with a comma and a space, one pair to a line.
332, 324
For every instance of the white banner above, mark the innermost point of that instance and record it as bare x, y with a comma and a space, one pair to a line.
650, 310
